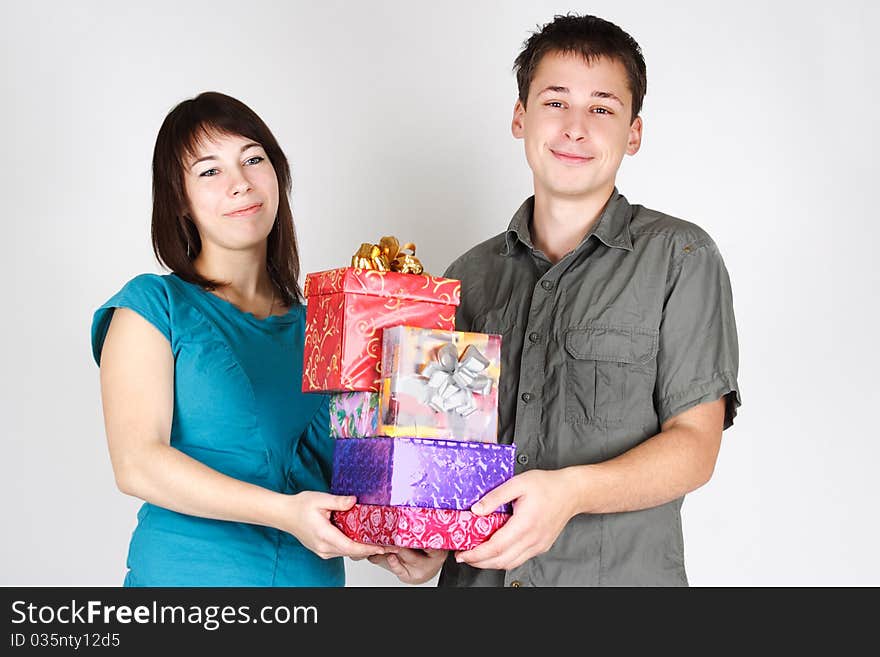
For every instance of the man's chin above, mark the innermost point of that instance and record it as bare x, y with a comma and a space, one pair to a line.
580, 192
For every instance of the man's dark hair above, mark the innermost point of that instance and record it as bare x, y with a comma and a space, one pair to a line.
176, 240
591, 38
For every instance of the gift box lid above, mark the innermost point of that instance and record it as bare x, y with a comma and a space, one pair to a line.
416, 287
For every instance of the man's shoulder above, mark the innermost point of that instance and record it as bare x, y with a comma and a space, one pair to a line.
479, 258
648, 225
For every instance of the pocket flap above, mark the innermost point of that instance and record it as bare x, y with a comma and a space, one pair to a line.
618, 344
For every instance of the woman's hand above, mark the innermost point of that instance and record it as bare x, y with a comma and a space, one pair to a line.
411, 566
306, 515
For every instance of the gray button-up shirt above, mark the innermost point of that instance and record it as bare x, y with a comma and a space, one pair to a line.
631, 328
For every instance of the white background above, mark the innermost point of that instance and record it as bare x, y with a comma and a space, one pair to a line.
760, 125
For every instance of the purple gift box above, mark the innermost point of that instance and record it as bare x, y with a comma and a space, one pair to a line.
441, 474
354, 414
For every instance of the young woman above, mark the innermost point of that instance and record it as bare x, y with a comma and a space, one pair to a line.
201, 372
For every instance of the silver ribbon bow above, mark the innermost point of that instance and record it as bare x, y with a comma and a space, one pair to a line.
453, 382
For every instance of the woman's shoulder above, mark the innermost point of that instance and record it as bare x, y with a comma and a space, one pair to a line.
155, 290
151, 286
152, 296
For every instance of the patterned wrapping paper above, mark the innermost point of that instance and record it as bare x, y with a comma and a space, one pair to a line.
415, 527
442, 474
417, 383
346, 312
354, 414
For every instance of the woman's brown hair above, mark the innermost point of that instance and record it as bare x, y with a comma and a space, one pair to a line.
176, 241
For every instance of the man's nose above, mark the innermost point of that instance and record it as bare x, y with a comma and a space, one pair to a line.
576, 127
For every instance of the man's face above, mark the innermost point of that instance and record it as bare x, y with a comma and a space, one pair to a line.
577, 126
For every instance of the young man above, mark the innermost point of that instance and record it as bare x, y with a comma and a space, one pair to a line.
620, 356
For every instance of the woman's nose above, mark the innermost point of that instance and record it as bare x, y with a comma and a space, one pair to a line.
239, 184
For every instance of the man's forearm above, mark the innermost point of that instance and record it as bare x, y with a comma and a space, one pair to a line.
676, 461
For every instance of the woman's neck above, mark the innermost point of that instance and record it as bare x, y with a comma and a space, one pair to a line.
243, 276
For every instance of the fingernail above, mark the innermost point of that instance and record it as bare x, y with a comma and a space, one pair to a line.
477, 508
458, 558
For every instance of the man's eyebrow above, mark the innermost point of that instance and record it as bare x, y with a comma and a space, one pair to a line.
554, 89
214, 157
596, 94
607, 94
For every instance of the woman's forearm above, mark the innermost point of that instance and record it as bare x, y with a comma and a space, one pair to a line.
166, 477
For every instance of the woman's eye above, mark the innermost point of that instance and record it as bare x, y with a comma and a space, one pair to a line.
209, 173
256, 159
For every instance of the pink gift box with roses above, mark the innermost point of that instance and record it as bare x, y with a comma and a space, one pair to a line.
417, 527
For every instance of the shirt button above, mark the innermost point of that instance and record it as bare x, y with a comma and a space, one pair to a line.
534, 337
523, 459
526, 397
547, 285
516, 583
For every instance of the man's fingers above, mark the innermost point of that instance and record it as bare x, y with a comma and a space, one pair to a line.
396, 566
505, 561
499, 543
408, 556
506, 492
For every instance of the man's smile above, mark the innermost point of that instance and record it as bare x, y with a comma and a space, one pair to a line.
570, 158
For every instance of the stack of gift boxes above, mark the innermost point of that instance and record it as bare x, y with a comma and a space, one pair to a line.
413, 404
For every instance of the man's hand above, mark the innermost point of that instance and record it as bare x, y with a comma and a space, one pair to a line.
411, 566
543, 502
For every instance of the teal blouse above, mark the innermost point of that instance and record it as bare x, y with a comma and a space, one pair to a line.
238, 408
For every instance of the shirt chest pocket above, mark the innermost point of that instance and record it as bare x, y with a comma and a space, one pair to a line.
610, 373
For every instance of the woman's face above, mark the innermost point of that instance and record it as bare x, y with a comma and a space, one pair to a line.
232, 191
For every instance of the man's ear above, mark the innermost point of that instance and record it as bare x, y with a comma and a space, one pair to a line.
634, 139
516, 126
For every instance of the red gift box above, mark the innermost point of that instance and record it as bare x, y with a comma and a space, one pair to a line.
417, 527
347, 310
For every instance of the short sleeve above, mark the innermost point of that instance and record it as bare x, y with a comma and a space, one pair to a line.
698, 355
312, 463
146, 295
463, 315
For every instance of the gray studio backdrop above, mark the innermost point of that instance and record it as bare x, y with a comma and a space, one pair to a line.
395, 116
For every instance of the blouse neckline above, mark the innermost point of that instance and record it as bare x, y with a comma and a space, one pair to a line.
286, 318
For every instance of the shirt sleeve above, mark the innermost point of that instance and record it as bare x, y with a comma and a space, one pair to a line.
698, 354
463, 316
146, 295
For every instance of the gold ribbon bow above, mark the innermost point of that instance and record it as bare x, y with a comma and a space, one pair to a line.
388, 255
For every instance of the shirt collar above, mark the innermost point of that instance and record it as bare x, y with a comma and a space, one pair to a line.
612, 229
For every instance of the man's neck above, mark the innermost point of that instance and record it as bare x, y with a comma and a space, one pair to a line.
560, 224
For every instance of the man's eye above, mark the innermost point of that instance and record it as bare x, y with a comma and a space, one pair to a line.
209, 173
256, 159
554, 103
601, 110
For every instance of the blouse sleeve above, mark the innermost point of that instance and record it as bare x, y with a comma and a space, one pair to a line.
146, 295
312, 463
